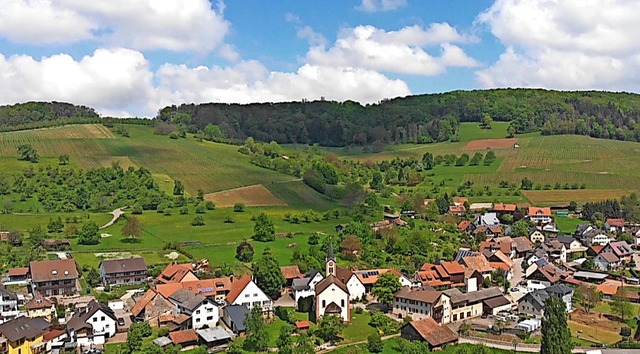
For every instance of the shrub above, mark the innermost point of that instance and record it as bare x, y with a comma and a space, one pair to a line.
184, 211
209, 205
238, 207
198, 221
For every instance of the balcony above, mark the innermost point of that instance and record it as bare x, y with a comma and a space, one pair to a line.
10, 303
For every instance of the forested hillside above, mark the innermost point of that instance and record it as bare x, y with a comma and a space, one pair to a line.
41, 114
421, 118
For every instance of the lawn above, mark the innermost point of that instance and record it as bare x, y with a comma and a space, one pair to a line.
392, 346
566, 224
593, 333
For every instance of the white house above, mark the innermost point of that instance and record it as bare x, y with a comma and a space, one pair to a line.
487, 219
332, 295
614, 225
540, 215
203, 311
595, 237
356, 288
305, 287
92, 325
245, 292
606, 261
8, 304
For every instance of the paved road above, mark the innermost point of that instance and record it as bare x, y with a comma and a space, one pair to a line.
116, 215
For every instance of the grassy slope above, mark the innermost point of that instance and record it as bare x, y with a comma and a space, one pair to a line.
598, 163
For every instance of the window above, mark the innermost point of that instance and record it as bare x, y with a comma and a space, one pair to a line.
455, 317
106, 326
324, 303
255, 295
246, 295
102, 318
342, 303
95, 319
197, 320
209, 310
468, 313
197, 312
209, 318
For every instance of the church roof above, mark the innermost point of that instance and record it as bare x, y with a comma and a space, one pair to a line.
328, 281
330, 254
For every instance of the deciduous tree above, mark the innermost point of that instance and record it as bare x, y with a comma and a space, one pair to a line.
264, 229
387, 284
132, 228
267, 274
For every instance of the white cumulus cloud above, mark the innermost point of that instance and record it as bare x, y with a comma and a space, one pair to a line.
108, 80
400, 51
177, 25
568, 44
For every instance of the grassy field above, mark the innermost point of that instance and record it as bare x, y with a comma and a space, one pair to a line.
256, 195
208, 166
606, 167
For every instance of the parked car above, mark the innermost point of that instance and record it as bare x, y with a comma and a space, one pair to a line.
514, 290
121, 321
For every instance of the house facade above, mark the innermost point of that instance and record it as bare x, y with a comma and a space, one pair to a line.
305, 287
92, 325
540, 215
23, 335
536, 236
331, 294
245, 292
203, 312
126, 271
419, 303
54, 277
8, 304
41, 307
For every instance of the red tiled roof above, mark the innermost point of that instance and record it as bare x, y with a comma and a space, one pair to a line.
291, 272
143, 301
52, 334
479, 263
185, 336
174, 273
452, 267
207, 287
433, 333
21, 271
607, 289
615, 222
504, 207
167, 290
457, 209
463, 225
535, 211
237, 286
302, 324
597, 249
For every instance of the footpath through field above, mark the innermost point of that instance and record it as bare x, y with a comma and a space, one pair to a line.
116, 215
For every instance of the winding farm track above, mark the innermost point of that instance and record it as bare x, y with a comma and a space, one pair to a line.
116, 215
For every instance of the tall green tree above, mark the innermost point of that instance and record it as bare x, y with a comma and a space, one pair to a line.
137, 331
305, 345
257, 334
387, 284
374, 343
620, 305
556, 337
132, 228
267, 274
330, 328
427, 161
178, 188
284, 342
264, 229
586, 296
89, 234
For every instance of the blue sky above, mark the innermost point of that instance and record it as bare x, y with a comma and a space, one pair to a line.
132, 57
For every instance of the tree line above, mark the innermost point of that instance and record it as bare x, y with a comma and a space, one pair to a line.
417, 119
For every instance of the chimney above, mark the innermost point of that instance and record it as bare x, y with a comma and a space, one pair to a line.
231, 278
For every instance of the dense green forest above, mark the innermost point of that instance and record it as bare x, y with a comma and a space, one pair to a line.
420, 118
414, 119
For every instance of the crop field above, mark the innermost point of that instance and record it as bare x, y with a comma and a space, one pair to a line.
256, 195
490, 144
547, 197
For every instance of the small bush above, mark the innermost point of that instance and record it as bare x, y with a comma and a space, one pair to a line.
238, 207
198, 221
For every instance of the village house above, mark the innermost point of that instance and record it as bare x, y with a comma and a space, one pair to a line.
23, 335
92, 325
521, 247
487, 219
595, 237
202, 311
356, 289
462, 306
607, 261
621, 249
457, 210
369, 277
19, 275
177, 273
571, 244
245, 292
535, 235
125, 271
215, 289
331, 294
479, 263
438, 275
542, 274
502, 244
428, 330
150, 307
306, 286
540, 215
8, 304
532, 304
555, 250
290, 273
502, 209
419, 303
234, 316
40, 306
615, 226
54, 277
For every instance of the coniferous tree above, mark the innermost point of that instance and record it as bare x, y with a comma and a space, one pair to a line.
556, 337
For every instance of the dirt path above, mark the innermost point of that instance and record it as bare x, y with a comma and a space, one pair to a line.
116, 215
330, 349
